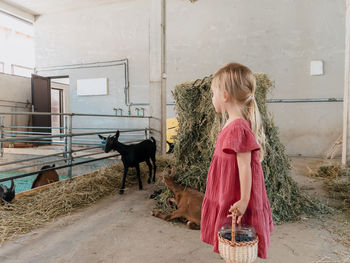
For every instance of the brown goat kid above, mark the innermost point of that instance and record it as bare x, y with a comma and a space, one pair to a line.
187, 200
46, 177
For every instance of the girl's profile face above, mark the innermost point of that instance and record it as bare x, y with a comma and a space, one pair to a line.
217, 98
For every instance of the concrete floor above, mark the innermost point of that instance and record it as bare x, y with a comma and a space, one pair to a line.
121, 229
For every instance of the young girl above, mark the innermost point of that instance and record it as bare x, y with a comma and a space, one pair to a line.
235, 178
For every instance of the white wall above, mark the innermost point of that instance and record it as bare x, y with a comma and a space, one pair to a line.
15, 92
279, 38
106, 32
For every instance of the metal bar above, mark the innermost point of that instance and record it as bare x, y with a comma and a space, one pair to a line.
54, 136
86, 140
149, 128
32, 165
85, 65
12, 101
33, 113
93, 139
139, 104
304, 100
88, 148
74, 143
100, 115
97, 129
80, 143
56, 168
147, 104
13, 106
73, 114
126, 83
19, 138
24, 132
20, 66
88, 154
69, 145
292, 100
30, 135
65, 136
32, 127
59, 143
31, 159
41, 141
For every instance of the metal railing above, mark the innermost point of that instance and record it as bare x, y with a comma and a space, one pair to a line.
87, 141
304, 100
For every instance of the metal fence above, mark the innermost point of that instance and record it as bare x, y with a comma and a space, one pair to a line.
69, 140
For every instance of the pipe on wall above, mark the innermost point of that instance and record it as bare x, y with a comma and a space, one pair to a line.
124, 62
304, 100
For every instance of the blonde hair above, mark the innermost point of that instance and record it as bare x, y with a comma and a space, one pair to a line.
240, 84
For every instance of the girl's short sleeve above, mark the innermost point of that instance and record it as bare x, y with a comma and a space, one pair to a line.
240, 140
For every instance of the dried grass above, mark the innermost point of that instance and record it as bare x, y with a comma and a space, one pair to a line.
336, 181
194, 147
29, 212
327, 170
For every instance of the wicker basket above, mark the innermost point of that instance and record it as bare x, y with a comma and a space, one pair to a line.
237, 252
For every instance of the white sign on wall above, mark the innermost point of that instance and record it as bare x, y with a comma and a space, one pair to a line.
316, 67
91, 87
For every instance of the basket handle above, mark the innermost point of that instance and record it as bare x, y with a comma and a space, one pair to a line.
233, 230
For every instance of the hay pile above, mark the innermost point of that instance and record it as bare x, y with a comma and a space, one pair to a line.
30, 212
339, 189
194, 147
328, 170
336, 183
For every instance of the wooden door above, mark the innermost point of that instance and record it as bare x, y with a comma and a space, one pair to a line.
41, 100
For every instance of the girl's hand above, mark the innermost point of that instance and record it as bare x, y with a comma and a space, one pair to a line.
241, 207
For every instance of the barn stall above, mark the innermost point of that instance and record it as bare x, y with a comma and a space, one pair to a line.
115, 59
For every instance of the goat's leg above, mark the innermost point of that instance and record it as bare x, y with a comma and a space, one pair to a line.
150, 170
139, 176
153, 157
121, 191
192, 225
176, 214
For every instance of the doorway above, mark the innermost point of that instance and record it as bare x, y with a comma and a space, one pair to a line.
59, 88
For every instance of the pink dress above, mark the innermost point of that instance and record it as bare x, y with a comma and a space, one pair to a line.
223, 187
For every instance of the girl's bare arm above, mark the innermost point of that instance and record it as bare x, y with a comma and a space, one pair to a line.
245, 178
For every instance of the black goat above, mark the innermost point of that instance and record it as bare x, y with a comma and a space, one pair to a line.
133, 155
171, 147
7, 194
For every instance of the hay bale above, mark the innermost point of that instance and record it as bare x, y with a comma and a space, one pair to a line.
194, 147
339, 188
337, 184
328, 170
32, 211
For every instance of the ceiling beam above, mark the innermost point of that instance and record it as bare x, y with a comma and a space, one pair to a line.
9, 9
